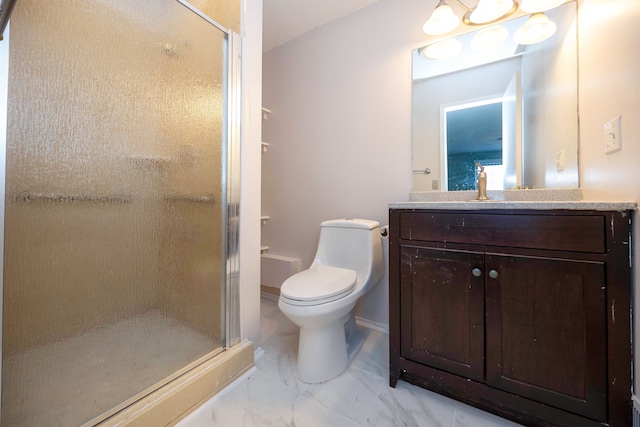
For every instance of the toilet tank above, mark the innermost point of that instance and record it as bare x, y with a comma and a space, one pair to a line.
354, 244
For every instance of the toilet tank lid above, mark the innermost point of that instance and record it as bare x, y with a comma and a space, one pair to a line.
351, 223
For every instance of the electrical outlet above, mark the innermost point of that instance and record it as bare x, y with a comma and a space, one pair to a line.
613, 135
435, 185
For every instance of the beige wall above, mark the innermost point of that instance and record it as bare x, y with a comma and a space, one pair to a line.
609, 86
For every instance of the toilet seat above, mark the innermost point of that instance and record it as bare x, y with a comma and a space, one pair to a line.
319, 284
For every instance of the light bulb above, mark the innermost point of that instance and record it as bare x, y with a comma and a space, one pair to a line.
442, 50
492, 10
442, 20
537, 28
489, 37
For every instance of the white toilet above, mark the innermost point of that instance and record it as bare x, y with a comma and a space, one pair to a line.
320, 300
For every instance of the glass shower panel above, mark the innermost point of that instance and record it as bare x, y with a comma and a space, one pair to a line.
114, 234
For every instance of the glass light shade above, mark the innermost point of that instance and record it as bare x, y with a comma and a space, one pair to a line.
533, 6
441, 21
442, 50
537, 28
491, 10
489, 37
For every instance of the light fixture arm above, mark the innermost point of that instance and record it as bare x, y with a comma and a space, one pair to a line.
467, 17
465, 7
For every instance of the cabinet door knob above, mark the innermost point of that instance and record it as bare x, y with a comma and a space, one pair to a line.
476, 272
493, 274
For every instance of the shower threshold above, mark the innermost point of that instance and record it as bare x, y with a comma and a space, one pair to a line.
74, 380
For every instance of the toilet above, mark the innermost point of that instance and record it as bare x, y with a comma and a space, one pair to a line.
320, 300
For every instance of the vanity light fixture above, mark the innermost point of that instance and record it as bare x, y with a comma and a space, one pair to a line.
444, 20
537, 28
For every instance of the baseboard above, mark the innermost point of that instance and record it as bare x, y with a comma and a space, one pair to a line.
370, 324
258, 354
267, 293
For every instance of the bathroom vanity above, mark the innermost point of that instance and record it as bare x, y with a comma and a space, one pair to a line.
520, 309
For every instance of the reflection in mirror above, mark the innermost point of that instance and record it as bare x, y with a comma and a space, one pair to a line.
473, 135
531, 92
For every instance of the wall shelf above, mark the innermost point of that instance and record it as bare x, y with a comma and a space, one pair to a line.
265, 147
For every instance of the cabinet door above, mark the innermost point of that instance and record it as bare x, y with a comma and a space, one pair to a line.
442, 319
546, 331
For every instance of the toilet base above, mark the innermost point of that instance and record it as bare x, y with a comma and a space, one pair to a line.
325, 353
354, 336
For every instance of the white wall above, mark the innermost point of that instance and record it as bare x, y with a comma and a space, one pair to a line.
249, 245
609, 86
340, 133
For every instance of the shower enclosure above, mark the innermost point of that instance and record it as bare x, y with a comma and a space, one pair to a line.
119, 258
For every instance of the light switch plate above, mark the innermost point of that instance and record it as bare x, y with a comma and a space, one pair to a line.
613, 135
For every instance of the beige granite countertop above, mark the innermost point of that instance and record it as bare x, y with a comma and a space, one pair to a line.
570, 198
546, 195
546, 205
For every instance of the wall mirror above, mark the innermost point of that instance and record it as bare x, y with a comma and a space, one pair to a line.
513, 108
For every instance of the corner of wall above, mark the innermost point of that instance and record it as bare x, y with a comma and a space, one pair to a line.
250, 171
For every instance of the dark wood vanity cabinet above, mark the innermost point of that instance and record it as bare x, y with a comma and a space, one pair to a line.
522, 313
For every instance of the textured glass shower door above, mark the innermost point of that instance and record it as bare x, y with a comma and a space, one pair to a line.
115, 231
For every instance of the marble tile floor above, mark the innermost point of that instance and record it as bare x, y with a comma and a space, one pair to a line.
271, 395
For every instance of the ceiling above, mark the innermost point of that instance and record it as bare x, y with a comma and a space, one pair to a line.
285, 20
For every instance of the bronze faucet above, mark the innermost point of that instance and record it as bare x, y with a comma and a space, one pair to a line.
482, 183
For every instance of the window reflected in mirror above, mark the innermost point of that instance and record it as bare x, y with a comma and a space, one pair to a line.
473, 135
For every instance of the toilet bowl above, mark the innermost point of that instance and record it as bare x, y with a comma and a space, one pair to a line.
320, 300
